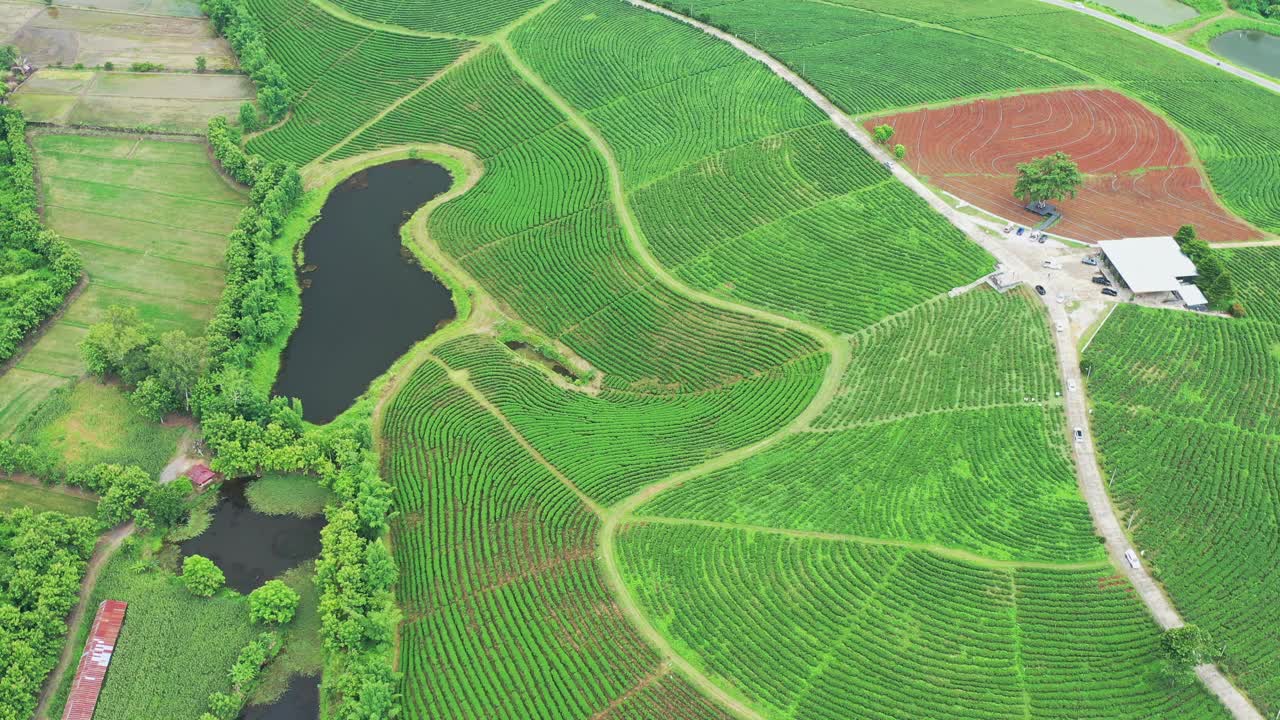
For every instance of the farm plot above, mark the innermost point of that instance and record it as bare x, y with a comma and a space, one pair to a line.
175, 8
1189, 434
1142, 181
323, 56
63, 35
820, 629
179, 103
506, 614
150, 218
1230, 123
945, 430
1256, 275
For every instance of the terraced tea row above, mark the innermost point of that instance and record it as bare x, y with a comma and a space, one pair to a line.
923, 53
614, 443
323, 56
1255, 274
444, 16
821, 629
506, 615
1187, 429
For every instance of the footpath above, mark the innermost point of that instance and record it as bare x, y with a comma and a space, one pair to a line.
1089, 475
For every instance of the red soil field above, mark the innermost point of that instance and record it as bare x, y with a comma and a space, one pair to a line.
1140, 180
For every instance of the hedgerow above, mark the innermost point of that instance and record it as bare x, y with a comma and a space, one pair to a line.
507, 615
821, 629
37, 269
1187, 417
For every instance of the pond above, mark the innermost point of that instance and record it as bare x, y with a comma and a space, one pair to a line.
1154, 12
1252, 48
300, 702
365, 301
251, 547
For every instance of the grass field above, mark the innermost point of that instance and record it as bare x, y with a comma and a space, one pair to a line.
180, 103
1189, 433
150, 218
41, 499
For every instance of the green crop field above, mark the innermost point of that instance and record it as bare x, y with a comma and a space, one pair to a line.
719, 431
822, 629
1188, 423
150, 218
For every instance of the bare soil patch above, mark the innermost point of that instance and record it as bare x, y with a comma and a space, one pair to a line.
71, 35
1142, 179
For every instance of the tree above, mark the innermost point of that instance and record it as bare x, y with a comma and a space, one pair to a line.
899, 151
201, 576
201, 63
108, 66
177, 360
1185, 235
118, 345
152, 399
273, 602
248, 117
1052, 177
167, 504
8, 56
883, 134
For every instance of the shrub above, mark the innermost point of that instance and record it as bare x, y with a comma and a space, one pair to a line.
274, 602
201, 576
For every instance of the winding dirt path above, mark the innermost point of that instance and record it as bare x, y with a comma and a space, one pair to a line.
107, 546
1089, 475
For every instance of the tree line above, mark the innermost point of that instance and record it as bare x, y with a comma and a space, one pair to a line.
232, 19
37, 268
1212, 278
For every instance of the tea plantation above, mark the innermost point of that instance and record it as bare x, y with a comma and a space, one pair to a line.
729, 425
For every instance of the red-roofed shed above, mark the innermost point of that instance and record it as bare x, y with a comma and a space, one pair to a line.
92, 670
201, 475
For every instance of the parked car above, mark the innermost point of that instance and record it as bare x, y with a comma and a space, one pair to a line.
1110, 292
1041, 239
1079, 435
1131, 557
1098, 279
1090, 260
1040, 289
1008, 228
887, 165
1021, 230
1071, 385
1061, 327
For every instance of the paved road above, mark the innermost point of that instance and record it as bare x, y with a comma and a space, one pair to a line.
1254, 78
1088, 474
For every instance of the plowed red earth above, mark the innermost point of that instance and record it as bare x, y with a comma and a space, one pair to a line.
1140, 180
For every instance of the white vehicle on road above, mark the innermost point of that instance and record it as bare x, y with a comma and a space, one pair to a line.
1071, 385
1079, 433
1061, 327
1131, 557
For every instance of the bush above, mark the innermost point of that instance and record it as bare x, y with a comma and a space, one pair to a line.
274, 602
1236, 310
233, 20
201, 576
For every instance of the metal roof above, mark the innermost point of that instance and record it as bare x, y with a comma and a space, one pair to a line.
1151, 264
92, 670
1192, 296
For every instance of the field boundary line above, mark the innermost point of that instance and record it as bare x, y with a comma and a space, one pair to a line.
981, 407
1098, 329
1088, 473
951, 553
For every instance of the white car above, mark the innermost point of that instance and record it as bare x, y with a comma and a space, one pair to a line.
1131, 557
1061, 327
1079, 433
1071, 385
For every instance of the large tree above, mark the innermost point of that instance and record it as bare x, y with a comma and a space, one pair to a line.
1052, 177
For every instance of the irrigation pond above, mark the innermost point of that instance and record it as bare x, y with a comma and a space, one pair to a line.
300, 702
365, 299
1253, 49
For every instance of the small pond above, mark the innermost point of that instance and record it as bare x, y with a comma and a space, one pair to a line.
300, 702
1154, 12
1251, 48
365, 301
251, 547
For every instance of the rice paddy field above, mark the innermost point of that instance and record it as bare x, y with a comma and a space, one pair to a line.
150, 218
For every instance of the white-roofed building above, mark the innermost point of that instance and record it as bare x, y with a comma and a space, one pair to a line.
1149, 265
1192, 296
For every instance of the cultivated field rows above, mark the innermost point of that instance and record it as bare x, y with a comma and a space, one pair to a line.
806, 469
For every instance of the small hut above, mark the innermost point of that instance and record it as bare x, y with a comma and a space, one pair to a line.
201, 476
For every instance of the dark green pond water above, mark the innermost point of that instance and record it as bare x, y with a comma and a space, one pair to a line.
365, 302
1253, 49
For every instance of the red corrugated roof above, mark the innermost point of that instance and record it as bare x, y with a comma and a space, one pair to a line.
200, 476
94, 661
